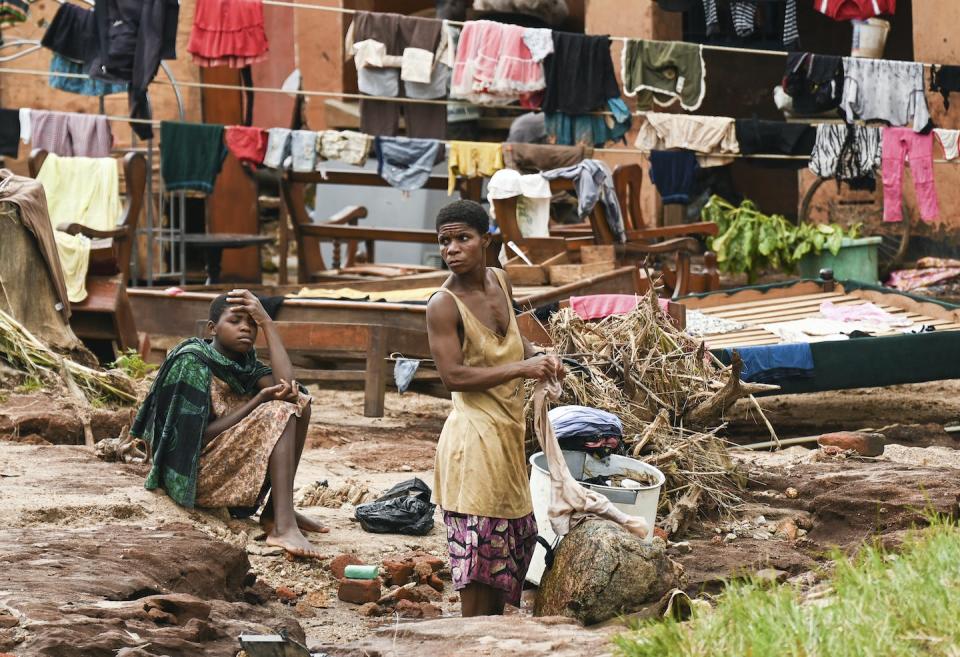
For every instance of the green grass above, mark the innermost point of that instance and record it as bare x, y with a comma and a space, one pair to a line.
30, 384
882, 605
133, 365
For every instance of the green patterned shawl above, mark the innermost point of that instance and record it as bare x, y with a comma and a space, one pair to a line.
174, 415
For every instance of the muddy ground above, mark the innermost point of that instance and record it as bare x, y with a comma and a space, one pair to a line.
91, 563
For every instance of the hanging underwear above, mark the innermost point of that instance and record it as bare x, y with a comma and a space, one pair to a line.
944, 79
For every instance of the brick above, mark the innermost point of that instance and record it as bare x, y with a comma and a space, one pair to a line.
429, 592
286, 594
864, 444
436, 563
408, 609
423, 571
398, 572
359, 591
414, 594
435, 583
341, 561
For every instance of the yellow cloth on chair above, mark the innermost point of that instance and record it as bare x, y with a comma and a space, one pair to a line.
471, 159
83, 190
74, 253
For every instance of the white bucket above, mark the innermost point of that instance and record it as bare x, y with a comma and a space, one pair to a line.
869, 37
640, 502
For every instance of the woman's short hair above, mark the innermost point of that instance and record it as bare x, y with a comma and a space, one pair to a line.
217, 306
465, 212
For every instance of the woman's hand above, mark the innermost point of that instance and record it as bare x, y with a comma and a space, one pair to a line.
246, 301
283, 391
543, 367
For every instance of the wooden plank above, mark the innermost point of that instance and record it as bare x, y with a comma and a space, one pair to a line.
565, 274
361, 233
723, 311
753, 296
376, 382
924, 307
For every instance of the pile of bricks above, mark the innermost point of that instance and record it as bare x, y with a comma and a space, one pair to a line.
413, 583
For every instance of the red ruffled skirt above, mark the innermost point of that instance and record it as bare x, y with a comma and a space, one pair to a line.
228, 33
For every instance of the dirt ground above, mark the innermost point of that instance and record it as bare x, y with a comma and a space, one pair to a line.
53, 492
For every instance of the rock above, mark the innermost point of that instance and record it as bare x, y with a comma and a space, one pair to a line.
8, 620
161, 617
435, 583
264, 550
318, 599
422, 570
787, 529
428, 610
183, 607
258, 593
864, 444
286, 594
414, 594
371, 609
453, 598
359, 591
408, 609
397, 572
601, 571
341, 561
436, 563
771, 576
791, 492
304, 609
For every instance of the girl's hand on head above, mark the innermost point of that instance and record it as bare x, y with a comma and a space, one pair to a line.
246, 301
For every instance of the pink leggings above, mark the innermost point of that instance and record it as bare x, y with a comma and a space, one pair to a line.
900, 145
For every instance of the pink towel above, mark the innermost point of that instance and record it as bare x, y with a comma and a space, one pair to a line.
598, 306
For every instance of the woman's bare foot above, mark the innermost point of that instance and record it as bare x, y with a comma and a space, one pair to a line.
295, 543
305, 523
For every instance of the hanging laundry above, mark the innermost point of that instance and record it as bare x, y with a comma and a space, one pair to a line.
949, 141
472, 159
69, 134
744, 17
25, 132
278, 148
83, 190
663, 72
551, 12
598, 306
533, 194
675, 5
406, 163
813, 84
533, 158
528, 128
303, 150
589, 129
711, 136
9, 132
674, 174
945, 80
900, 144
62, 71
191, 155
850, 153
885, 90
580, 75
248, 144
594, 184
757, 136
712, 17
345, 145
845, 10
73, 252
15, 11
134, 37
389, 48
495, 65
228, 33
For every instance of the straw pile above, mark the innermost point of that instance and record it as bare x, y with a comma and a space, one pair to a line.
668, 392
25, 352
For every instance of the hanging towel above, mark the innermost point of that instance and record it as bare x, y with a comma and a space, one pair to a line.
191, 155
534, 158
9, 132
472, 159
663, 72
406, 163
228, 33
674, 174
712, 136
772, 363
594, 184
70, 134
345, 145
247, 144
571, 503
82, 190
884, 90
74, 254
945, 80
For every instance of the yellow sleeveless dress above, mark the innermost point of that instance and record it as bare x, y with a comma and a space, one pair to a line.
480, 466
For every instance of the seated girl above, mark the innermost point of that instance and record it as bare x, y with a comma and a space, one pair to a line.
224, 429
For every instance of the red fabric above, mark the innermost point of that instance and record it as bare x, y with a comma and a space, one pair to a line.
228, 32
598, 306
248, 145
844, 10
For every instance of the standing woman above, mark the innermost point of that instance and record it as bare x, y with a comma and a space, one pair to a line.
481, 480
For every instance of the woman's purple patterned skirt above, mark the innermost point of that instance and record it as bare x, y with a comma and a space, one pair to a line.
491, 551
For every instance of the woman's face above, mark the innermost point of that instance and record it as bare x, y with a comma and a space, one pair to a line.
462, 248
235, 331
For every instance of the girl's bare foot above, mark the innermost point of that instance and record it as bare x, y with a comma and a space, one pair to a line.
295, 543
305, 523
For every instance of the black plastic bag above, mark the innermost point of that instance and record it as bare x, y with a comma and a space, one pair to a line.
404, 509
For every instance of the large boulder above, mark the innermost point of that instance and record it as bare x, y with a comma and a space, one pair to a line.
600, 571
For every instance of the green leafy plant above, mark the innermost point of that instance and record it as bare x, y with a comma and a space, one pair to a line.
749, 241
131, 364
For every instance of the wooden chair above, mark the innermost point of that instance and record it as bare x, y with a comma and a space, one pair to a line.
644, 239
105, 317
